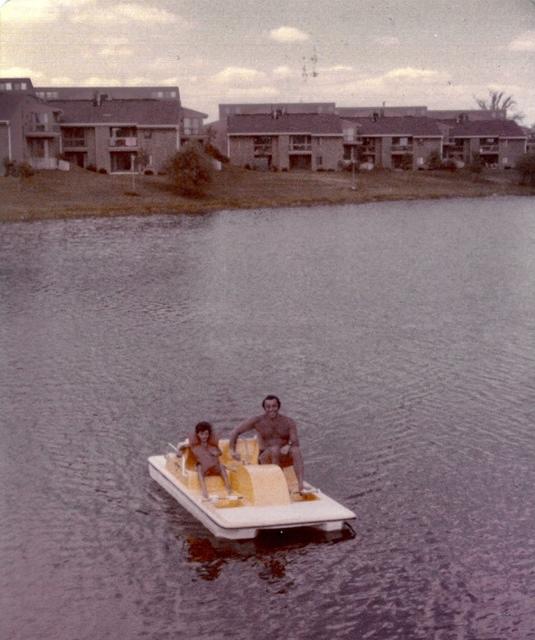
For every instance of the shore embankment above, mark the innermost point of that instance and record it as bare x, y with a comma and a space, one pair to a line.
79, 193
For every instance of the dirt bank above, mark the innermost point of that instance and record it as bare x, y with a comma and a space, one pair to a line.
80, 193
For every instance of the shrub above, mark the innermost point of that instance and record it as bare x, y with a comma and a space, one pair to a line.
449, 165
406, 162
190, 170
25, 170
214, 152
475, 166
102, 170
10, 167
525, 166
18, 169
434, 161
91, 167
148, 172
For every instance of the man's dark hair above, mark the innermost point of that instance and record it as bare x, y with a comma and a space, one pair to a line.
270, 398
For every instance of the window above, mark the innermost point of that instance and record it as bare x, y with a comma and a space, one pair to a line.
73, 136
300, 143
319, 161
262, 145
39, 121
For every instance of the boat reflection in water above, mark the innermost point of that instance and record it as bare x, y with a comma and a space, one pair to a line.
269, 549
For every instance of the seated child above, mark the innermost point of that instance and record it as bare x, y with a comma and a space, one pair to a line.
205, 450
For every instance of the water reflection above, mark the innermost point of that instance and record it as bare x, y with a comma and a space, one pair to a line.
400, 336
270, 550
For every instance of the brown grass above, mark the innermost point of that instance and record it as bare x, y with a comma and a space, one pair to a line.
79, 193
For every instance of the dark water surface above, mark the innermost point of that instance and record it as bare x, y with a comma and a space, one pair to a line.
400, 336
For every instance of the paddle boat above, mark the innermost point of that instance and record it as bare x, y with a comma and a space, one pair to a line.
264, 496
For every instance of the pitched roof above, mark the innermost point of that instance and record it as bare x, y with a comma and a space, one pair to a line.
116, 92
488, 128
362, 112
9, 103
191, 113
148, 112
398, 126
304, 123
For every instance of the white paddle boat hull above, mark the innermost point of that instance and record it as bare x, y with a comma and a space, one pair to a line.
265, 501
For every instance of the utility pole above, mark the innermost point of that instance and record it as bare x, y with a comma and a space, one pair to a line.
353, 177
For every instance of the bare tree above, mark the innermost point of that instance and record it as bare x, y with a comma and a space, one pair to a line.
499, 103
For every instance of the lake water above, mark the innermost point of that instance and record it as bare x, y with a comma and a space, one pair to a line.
400, 336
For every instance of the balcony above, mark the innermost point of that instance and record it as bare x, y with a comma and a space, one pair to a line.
401, 148
263, 149
44, 163
42, 130
130, 142
300, 147
70, 143
489, 148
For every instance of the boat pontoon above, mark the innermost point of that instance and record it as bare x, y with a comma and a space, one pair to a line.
264, 496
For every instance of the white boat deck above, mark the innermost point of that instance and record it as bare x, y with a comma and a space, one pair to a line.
245, 520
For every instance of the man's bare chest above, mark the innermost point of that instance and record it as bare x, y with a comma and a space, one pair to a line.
273, 429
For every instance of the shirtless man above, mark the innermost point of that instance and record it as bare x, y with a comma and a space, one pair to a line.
277, 438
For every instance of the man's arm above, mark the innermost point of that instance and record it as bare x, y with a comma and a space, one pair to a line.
293, 439
248, 425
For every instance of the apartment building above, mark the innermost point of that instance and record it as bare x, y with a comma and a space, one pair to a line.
391, 142
191, 126
217, 131
119, 135
29, 128
285, 141
496, 143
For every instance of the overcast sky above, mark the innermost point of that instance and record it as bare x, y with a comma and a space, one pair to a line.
354, 52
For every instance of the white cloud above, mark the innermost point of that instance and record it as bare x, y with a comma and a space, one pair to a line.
283, 72
139, 81
39, 10
20, 72
99, 81
288, 34
523, 42
252, 92
61, 81
116, 51
238, 74
386, 41
335, 67
129, 11
110, 41
409, 73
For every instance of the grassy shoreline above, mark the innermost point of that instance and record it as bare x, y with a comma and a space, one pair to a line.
79, 193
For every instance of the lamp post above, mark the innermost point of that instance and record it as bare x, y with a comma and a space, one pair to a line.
353, 178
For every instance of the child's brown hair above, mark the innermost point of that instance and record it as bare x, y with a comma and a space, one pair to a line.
204, 426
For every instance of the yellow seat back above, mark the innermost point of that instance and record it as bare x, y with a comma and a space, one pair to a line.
246, 447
